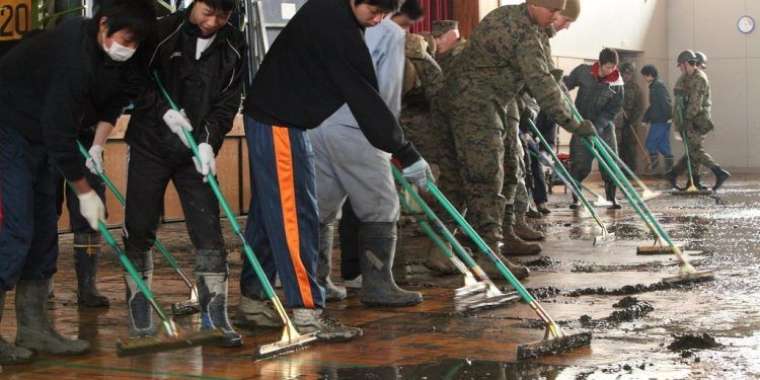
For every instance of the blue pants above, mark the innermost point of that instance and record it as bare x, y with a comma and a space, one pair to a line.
283, 220
658, 139
29, 231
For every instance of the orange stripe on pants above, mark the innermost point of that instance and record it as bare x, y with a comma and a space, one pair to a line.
286, 182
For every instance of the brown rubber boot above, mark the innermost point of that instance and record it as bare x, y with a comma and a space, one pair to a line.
514, 246
524, 231
520, 271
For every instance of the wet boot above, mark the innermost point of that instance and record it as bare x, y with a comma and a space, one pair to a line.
653, 164
139, 312
515, 246
212, 296
541, 207
316, 321
438, 263
86, 251
575, 204
377, 246
524, 231
610, 190
324, 265
721, 176
10, 354
34, 329
519, 271
698, 182
672, 179
253, 313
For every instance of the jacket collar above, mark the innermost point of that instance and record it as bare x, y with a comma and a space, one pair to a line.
614, 78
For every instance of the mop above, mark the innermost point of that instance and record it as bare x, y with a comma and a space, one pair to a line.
562, 172
189, 306
488, 294
594, 144
291, 340
555, 339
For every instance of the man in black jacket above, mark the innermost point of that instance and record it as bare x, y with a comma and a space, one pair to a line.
45, 82
199, 60
319, 62
658, 116
600, 98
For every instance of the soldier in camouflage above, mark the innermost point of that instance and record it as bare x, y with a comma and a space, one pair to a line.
693, 120
448, 43
633, 109
505, 54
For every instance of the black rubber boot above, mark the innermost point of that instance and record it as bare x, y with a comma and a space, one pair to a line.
139, 312
653, 164
86, 251
668, 163
721, 176
610, 191
575, 204
10, 354
212, 296
672, 179
698, 182
377, 242
324, 264
34, 330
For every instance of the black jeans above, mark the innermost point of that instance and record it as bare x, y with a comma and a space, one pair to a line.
147, 178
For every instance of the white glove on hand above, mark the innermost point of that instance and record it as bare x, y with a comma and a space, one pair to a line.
178, 121
95, 162
92, 208
419, 173
207, 163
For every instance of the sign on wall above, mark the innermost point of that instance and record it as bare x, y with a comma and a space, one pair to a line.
15, 19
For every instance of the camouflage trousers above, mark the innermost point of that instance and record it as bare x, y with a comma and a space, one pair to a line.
697, 154
515, 191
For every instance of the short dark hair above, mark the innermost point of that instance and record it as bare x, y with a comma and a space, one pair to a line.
608, 55
386, 5
137, 16
650, 71
220, 5
411, 9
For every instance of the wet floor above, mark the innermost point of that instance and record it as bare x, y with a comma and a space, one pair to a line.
641, 328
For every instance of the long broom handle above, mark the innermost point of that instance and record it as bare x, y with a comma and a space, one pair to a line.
568, 178
679, 110
211, 179
122, 201
623, 165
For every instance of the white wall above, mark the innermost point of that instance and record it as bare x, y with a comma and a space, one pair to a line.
733, 68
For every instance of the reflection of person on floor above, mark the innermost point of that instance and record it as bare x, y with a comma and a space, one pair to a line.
658, 116
199, 59
329, 54
347, 165
45, 82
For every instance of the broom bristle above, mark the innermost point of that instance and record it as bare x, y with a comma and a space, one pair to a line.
153, 344
553, 346
283, 347
690, 278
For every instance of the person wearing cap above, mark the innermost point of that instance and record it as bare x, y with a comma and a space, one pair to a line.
658, 117
633, 108
504, 55
448, 42
693, 120
701, 60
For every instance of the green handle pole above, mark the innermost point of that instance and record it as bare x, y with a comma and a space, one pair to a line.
467, 228
623, 165
688, 157
428, 230
249, 254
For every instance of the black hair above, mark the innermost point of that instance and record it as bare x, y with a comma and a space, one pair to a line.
411, 9
137, 16
650, 71
608, 55
386, 5
220, 5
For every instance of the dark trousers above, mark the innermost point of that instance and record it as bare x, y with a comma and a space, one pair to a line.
283, 220
29, 231
627, 145
348, 231
147, 178
538, 188
78, 223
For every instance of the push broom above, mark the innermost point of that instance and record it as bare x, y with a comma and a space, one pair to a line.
687, 273
692, 189
555, 339
291, 340
606, 236
490, 295
189, 306
646, 193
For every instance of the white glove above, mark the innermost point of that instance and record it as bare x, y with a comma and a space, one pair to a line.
419, 173
95, 162
207, 163
92, 208
178, 121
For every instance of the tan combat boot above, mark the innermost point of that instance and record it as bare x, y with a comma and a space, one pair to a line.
524, 231
514, 246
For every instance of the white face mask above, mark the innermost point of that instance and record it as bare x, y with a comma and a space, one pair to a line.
118, 52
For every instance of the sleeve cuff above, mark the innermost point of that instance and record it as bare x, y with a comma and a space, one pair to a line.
407, 155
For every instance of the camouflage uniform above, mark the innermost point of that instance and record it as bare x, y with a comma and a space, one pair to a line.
693, 97
506, 52
633, 109
447, 60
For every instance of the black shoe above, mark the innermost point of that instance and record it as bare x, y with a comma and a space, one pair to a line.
720, 176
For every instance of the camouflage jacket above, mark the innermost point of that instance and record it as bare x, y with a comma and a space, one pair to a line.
633, 103
446, 60
506, 53
427, 77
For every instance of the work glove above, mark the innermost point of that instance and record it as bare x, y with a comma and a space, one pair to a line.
419, 173
95, 162
92, 208
585, 128
177, 121
206, 164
